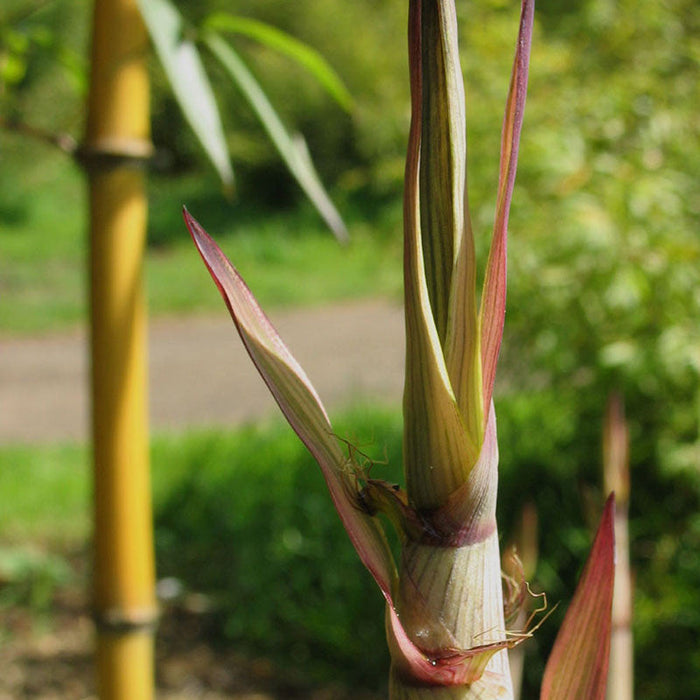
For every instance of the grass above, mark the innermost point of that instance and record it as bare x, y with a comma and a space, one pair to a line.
244, 517
56, 507
250, 522
287, 256
45, 493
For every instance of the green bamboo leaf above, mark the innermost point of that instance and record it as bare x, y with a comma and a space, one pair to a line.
577, 668
292, 149
280, 41
301, 405
469, 514
443, 153
438, 453
183, 67
463, 342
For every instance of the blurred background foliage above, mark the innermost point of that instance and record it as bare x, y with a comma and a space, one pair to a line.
604, 289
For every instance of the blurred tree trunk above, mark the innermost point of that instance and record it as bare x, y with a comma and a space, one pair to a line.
116, 146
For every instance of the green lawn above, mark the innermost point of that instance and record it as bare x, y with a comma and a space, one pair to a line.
287, 256
56, 509
45, 493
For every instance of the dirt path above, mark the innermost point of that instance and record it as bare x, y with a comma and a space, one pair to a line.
199, 373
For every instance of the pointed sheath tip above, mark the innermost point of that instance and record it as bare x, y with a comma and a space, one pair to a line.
606, 527
299, 403
187, 217
578, 665
193, 226
201, 239
205, 245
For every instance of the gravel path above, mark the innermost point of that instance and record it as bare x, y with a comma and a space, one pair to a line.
199, 373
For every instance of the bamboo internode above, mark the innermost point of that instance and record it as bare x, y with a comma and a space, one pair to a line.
117, 139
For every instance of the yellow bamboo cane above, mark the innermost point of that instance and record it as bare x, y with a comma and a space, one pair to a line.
117, 140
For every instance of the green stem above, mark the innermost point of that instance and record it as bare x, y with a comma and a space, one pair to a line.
452, 598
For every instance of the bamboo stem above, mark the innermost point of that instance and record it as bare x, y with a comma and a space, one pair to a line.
616, 476
118, 125
621, 669
453, 598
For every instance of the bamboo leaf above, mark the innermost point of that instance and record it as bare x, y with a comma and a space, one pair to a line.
447, 237
577, 668
288, 45
469, 514
300, 404
493, 299
292, 149
443, 153
462, 346
438, 453
191, 88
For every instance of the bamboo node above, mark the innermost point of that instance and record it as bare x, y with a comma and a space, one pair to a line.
117, 621
109, 153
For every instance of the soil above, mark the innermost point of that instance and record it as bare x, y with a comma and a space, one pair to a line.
51, 659
199, 373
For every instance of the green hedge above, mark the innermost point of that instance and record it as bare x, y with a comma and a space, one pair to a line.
245, 518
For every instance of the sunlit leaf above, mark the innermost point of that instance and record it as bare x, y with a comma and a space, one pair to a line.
292, 148
443, 154
300, 404
183, 67
276, 39
577, 668
469, 514
493, 300
434, 433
